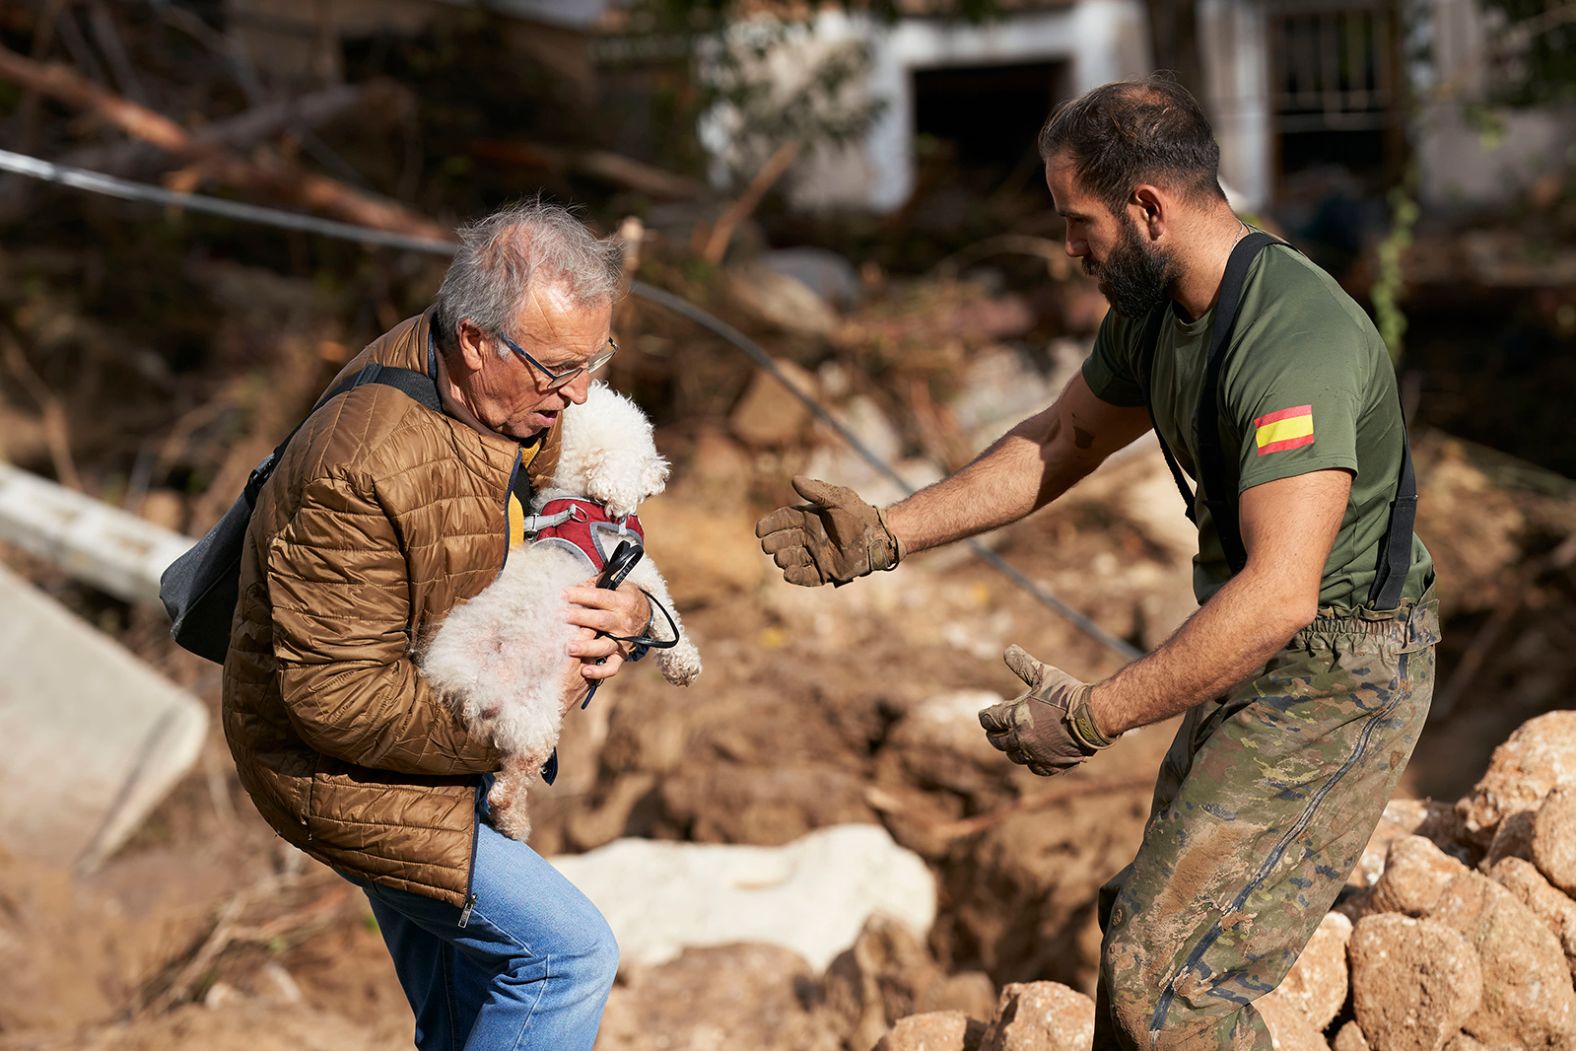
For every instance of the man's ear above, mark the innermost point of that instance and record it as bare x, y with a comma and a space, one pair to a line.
472, 345
1150, 208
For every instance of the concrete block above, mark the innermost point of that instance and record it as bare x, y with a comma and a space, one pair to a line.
94, 737
812, 896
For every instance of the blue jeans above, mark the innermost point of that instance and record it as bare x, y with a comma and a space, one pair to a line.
531, 968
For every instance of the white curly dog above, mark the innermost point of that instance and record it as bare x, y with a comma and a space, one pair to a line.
502, 658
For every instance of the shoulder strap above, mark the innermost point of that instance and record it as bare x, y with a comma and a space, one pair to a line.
1219, 495
417, 386
1395, 551
1148, 348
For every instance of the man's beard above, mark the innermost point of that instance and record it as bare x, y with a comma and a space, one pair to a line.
1135, 278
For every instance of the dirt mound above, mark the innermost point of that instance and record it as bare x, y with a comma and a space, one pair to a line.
819, 708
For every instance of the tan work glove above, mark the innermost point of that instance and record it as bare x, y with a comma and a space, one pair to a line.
1049, 727
830, 540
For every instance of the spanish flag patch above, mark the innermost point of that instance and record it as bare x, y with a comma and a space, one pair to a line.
1287, 429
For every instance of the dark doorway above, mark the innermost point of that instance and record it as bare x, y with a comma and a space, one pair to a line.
1335, 74
987, 118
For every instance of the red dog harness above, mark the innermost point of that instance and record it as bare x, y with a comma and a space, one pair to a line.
583, 526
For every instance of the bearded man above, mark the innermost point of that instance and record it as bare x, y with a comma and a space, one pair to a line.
1305, 676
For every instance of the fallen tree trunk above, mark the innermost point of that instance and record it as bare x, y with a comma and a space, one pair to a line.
268, 174
599, 164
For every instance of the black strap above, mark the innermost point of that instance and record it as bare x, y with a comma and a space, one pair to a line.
1219, 495
418, 386
1395, 552
1150, 342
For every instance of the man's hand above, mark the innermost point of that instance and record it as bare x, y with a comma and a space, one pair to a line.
1049, 727
830, 540
625, 612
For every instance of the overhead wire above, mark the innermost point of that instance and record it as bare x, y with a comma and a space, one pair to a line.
108, 185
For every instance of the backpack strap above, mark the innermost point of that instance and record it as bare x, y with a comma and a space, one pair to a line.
418, 386
1219, 495
1395, 551
1219, 498
1149, 342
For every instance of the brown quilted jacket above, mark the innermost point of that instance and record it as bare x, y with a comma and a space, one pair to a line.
381, 516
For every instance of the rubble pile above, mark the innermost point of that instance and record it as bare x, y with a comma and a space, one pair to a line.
1457, 931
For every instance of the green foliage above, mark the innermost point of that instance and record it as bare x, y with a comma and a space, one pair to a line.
823, 106
1390, 283
716, 12
764, 74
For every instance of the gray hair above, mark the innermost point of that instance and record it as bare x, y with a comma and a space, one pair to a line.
523, 245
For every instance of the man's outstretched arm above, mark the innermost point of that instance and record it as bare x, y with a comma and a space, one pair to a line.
836, 536
1021, 472
1288, 527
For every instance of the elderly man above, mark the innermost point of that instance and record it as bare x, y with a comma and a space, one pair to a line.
1306, 674
381, 516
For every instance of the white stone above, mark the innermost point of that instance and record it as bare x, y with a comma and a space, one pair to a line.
94, 737
811, 896
111, 549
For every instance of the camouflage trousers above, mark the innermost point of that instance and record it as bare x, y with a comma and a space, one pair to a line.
1262, 807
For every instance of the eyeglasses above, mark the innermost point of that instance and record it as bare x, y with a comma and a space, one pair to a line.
555, 380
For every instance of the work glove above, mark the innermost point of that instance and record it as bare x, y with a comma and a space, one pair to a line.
830, 540
1049, 727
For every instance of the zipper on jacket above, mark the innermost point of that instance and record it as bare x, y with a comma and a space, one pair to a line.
470, 875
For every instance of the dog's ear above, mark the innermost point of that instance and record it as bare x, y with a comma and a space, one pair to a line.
654, 478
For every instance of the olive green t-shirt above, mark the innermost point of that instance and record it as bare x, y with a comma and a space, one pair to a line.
1306, 386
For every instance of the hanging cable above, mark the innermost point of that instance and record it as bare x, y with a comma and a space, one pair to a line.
95, 182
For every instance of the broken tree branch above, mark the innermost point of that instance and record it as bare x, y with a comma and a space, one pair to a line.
599, 164
265, 173
741, 209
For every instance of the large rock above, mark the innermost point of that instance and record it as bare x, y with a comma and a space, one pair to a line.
1527, 997
1415, 874
881, 978
1317, 982
938, 743
1554, 839
1350, 1038
769, 415
812, 896
1434, 821
94, 737
1539, 757
1512, 839
1546, 902
827, 274
768, 804
1290, 1029
1022, 891
717, 999
933, 1031
780, 300
1414, 982
1041, 1016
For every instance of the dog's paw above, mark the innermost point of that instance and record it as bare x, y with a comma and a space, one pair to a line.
681, 664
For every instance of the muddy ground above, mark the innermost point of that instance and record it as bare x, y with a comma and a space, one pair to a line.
206, 931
